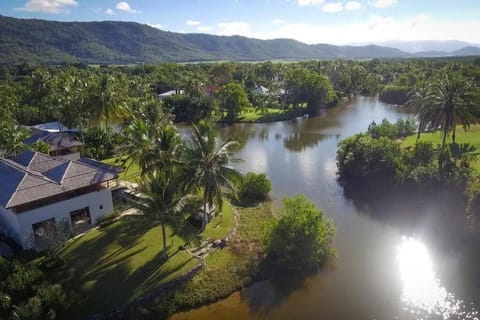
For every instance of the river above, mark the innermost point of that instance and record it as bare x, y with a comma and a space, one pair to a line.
384, 269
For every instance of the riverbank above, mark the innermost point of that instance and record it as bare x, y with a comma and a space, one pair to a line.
225, 271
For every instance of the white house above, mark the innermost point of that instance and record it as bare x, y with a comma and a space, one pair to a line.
36, 189
261, 90
170, 93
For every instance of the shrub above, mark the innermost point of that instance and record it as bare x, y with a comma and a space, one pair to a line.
301, 239
254, 188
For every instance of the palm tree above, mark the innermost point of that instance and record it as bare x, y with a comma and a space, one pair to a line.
207, 164
163, 198
449, 102
11, 137
417, 100
153, 141
111, 100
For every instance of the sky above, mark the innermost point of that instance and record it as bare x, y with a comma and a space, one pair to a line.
309, 21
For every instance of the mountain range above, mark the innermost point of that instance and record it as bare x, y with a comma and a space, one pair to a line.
115, 42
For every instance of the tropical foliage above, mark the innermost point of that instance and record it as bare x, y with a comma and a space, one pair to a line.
301, 238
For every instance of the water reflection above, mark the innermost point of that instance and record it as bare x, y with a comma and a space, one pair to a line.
422, 293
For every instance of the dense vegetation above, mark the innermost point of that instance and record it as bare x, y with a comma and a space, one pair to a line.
25, 293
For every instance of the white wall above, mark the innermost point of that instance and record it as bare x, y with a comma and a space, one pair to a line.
61, 210
8, 221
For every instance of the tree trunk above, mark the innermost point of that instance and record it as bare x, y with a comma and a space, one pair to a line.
445, 131
453, 133
204, 220
164, 238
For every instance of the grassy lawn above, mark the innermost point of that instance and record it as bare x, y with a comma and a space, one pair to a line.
219, 227
131, 173
268, 115
113, 265
226, 270
472, 136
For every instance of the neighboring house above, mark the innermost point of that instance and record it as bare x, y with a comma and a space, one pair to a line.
261, 90
62, 144
210, 91
54, 126
170, 93
37, 189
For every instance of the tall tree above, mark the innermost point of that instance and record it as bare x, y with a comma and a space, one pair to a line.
450, 102
207, 164
152, 140
110, 98
163, 198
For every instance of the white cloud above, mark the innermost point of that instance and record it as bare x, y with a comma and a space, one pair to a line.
234, 28
124, 6
353, 5
383, 3
309, 2
156, 25
48, 6
278, 21
110, 12
204, 28
192, 22
332, 7
374, 29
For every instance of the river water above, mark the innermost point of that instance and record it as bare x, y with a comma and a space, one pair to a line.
385, 268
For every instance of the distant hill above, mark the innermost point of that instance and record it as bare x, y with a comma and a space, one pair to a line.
112, 42
445, 46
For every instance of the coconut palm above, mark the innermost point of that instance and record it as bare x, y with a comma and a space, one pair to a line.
163, 198
207, 164
153, 141
110, 99
417, 99
449, 102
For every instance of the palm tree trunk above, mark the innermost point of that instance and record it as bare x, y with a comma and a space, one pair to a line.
453, 133
164, 238
418, 133
445, 130
204, 220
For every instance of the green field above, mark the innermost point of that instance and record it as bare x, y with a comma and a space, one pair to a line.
471, 136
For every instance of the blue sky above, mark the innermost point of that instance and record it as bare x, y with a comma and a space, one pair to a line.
310, 21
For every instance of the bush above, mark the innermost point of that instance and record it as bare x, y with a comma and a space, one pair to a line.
25, 293
254, 188
301, 239
401, 128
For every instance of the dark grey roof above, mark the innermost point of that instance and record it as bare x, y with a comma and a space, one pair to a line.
56, 140
33, 176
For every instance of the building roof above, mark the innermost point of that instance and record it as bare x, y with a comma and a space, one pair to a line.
56, 140
170, 93
32, 176
54, 126
261, 90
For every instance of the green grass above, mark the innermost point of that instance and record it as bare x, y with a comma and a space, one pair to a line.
226, 270
132, 171
111, 266
219, 227
471, 136
268, 115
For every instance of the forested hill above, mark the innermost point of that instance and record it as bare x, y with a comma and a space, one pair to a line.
111, 42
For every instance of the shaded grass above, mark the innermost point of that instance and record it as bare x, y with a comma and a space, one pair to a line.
225, 271
471, 136
220, 226
111, 266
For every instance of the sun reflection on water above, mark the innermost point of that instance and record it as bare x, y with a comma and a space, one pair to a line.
422, 292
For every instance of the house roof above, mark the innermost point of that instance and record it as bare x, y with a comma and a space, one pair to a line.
32, 176
54, 126
56, 140
170, 93
261, 90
